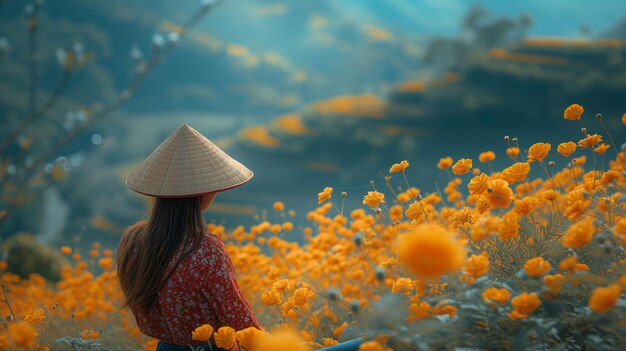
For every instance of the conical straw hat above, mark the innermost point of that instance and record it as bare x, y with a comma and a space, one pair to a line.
187, 164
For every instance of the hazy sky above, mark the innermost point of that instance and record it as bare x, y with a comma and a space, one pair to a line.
551, 17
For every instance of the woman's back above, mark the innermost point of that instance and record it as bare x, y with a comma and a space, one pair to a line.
201, 289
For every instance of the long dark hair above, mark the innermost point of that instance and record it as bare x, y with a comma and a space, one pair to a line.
148, 247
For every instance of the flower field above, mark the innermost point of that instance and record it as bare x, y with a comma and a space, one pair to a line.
527, 257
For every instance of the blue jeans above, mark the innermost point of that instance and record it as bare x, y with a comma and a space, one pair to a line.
352, 345
164, 346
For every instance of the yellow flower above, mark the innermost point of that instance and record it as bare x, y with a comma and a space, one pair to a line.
462, 166
270, 297
579, 234
325, 195
538, 151
373, 199
573, 112
590, 141
566, 149
512, 152
492, 295
444, 163
429, 251
525, 303
399, 167
279, 206
225, 337
22, 334
247, 337
554, 282
486, 156
302, 295
602, 299
478, 184
202, 333
499, 194
37, 316
516, 172
536, 267
476, 266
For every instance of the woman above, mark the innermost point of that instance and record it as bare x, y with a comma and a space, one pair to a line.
174, 274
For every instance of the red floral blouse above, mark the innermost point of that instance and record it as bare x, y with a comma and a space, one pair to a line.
201, 290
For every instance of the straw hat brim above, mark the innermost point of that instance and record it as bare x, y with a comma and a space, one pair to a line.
187, 164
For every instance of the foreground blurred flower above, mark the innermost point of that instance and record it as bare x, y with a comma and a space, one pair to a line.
536, 267
525, 303
399, 167
492, 295
554, 282
579, 234
429, 251
22, 335
573, 112
373, 198
281, 340
373, 346
325, 195
538, 151
225, 337
462, 166
202, 333
602, 299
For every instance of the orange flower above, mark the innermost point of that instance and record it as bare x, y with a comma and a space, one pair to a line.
399, 167
554, 282
415, 212
590, 141
601, 149
246, 337
270, 297
445, 163
602, 299
478, 184
476, 266
526, 205
566, 149
279, 206
372, 346
571, 265
538, 151
492, 295
486, 156
624, 119
573, 112
302, 295
325, 195
22, 334
225, 337
373, 198
512, 152
37, 316
66, 250
429, 251
89, 334
462, 166
499, 194
281, 340
516, 172
536, 267
525, 303
202, 333
579, 234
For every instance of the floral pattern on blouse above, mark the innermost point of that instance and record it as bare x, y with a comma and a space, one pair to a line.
202, 289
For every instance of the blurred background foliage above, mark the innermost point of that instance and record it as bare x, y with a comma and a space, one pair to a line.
308, 94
